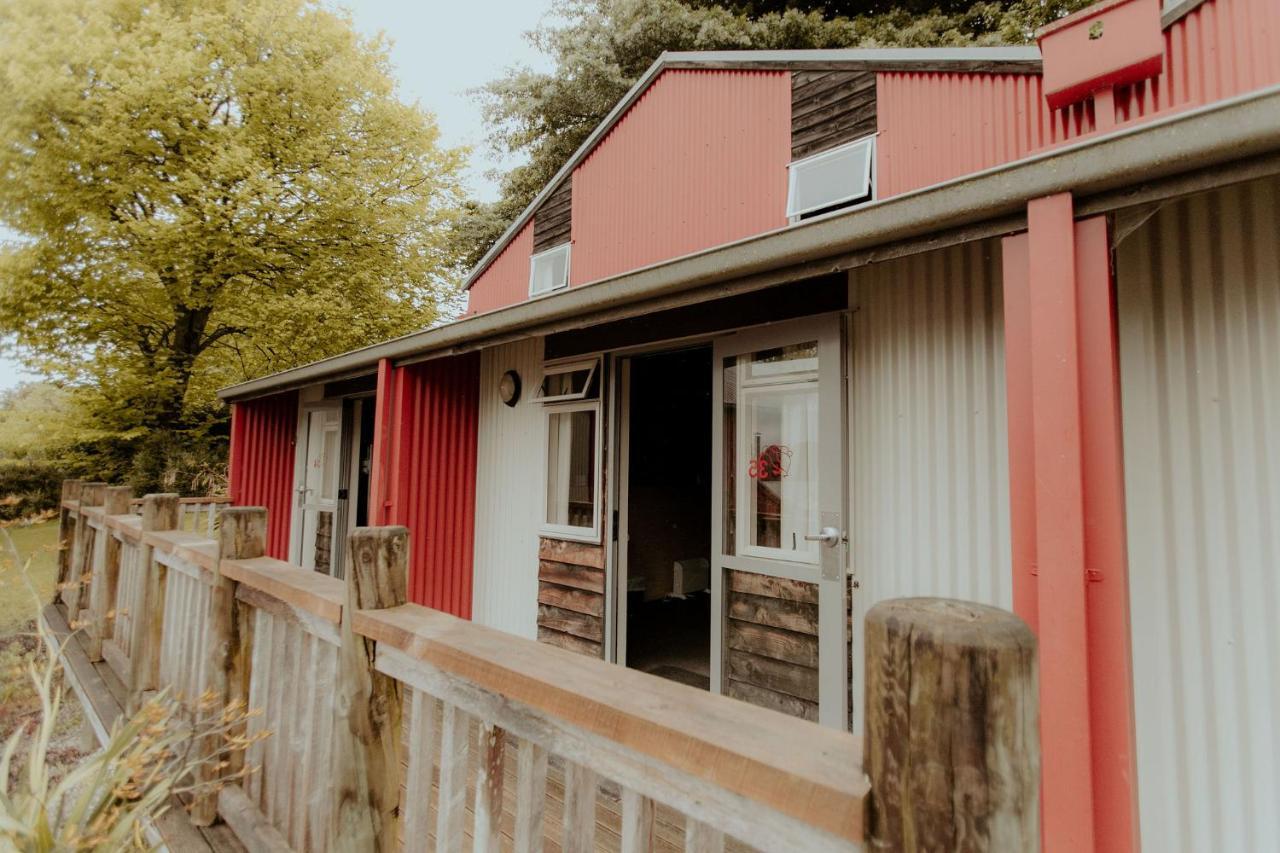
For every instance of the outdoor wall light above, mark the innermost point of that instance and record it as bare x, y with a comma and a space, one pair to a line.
509, 387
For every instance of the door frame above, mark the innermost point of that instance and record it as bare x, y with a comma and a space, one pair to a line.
830, 573
298, 513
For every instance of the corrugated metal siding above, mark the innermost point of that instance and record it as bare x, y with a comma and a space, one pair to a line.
699, 160
1223, 48
1199, 315
930, 476
509, 477
433, 479
506, 281
263, 434
937, 126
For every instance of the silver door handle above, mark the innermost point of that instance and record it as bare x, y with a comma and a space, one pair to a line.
828, 536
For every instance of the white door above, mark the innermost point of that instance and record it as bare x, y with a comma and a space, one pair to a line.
316, 486
779, 468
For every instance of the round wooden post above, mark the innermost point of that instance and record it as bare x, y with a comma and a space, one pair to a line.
106, 562
159, 512
242, 535
952, 727
367, 755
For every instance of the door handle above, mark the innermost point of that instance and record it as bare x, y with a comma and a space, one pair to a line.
828, 536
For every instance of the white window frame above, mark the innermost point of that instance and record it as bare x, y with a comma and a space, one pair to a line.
794, 215
566, 531
592, 365
563, 248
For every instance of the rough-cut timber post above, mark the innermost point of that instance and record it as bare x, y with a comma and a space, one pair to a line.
952, 734
66, 535
106, 572
159, 512
76, 597
367, 754
241, 536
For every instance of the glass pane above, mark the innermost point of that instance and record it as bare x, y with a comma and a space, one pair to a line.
830, 179
329, 484
571, 469
550, 271
771, 452
563, 384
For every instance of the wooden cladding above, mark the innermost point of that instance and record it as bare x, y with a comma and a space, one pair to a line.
552, 220
830, 108
571, 596
771, 643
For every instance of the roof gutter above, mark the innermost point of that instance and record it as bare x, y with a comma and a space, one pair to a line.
1228, 130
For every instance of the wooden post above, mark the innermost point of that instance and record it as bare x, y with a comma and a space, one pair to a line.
952, 730
106, 572
159, 512
66, 535
242, 536
367, 753
81, 570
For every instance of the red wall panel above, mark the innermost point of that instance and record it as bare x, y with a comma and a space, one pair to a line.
431, 476
263, 434
506, 281
699, 160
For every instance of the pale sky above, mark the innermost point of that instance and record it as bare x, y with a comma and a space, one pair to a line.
439, 51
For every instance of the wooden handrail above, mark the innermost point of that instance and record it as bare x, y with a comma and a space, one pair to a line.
317, 594
780, 762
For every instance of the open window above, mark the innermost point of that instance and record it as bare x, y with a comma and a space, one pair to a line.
549, 270
830, 180
571, 396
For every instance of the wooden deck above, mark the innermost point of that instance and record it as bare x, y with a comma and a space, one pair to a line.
102, 695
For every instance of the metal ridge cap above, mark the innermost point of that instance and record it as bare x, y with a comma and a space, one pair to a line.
1158, 148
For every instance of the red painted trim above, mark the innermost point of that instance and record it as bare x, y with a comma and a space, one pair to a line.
1110, 668
1067, 518
381, 459
1060, 547
235, 454
1022, 469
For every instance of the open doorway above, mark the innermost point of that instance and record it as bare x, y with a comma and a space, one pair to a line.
665, 540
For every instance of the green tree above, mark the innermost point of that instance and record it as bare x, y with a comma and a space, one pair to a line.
601, 47
203, 192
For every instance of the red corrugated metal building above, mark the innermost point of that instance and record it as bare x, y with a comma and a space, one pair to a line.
970, 307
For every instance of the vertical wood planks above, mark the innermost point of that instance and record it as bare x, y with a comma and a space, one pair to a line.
159, 512
451, 807
531, 796
488, 809
637, 822
579, 808
106, 568
423, 714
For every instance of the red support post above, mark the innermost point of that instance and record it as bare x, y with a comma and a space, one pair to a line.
380, 475
1067, 505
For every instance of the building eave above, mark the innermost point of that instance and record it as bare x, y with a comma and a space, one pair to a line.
1225, 131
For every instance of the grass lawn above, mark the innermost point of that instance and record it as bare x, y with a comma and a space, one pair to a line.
37, 543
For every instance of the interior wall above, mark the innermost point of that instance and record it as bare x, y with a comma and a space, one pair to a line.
509, 480
1198, 290
929, 449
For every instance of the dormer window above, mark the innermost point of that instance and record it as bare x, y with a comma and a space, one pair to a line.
549, 270
836, 178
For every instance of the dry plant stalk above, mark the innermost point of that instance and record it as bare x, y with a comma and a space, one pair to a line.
106, 802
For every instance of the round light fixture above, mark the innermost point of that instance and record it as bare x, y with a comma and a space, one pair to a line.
509, 387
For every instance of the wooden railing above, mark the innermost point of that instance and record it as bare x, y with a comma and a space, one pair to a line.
392, 726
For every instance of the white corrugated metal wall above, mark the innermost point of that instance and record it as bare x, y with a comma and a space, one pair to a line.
509, 477
1199, 309
930, 460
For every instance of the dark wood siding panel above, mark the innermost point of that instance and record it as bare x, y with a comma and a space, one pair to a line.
771, 643
830, 108
571, 596
553, 218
